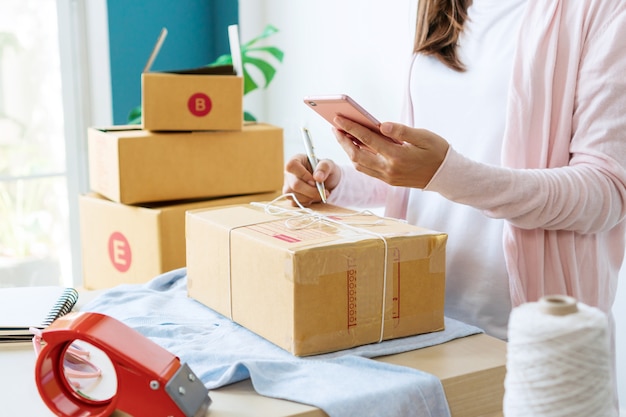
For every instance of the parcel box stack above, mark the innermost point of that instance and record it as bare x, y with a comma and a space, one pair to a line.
192, 151
320, 282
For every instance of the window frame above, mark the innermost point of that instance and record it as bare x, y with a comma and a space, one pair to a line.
86, 86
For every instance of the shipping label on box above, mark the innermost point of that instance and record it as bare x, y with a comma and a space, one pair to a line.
199, 99
123, 244
130, 165
337, 282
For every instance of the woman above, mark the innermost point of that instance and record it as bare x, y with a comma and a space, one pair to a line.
530, 180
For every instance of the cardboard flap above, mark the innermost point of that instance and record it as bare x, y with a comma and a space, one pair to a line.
206, 70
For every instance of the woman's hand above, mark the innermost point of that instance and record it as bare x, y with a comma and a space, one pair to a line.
300, 180
411, 162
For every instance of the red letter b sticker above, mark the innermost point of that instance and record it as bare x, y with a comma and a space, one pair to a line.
199, 104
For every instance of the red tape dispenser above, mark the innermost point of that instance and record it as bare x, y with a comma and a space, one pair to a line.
150, 380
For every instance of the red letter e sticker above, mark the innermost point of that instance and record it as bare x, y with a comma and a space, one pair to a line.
119, 252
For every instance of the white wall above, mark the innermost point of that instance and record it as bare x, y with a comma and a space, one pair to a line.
359, 47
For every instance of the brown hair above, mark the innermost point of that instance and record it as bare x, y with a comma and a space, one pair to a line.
437, 30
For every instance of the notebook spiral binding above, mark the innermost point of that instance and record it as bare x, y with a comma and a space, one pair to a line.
64, 305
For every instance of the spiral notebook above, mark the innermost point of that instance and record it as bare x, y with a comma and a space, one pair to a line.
25, 307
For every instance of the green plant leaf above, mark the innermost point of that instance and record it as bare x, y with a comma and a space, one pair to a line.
248, 117
267, 32
225, 59
248, 84
134, 117
266, 68
272, 50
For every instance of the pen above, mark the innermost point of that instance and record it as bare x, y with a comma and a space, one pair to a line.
310, 153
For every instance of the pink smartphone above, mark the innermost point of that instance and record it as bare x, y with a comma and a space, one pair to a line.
343, 105
330, 106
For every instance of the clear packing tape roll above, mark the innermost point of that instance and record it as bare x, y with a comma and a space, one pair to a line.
558, 361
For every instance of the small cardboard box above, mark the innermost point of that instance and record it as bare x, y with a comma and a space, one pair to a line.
130, 165
192, 100
133, 244
318, 287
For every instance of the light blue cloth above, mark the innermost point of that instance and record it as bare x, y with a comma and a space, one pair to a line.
221, 352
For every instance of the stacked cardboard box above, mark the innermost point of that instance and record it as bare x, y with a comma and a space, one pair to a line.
131, 165
193, 151
207, 98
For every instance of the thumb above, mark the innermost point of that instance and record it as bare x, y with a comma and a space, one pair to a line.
323, 170
404, 134
396, 131
435, 145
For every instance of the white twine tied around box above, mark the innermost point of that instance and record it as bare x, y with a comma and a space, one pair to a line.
558, 360
303, 217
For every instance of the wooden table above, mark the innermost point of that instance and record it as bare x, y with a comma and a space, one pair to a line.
471, 369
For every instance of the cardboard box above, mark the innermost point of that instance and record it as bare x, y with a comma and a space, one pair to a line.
174, 101
133, 244
319, 287
130, 165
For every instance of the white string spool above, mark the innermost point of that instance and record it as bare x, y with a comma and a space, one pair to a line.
558, 361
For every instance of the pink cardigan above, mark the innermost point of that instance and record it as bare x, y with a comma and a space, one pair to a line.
565, 229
